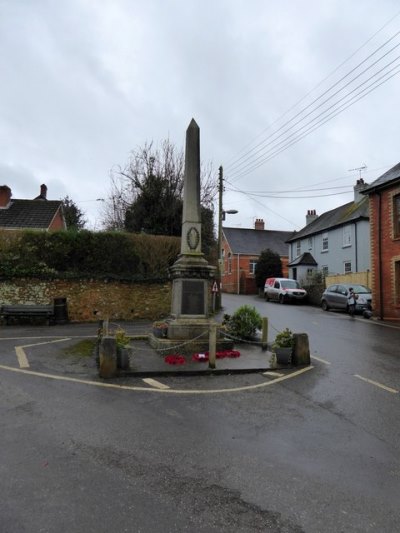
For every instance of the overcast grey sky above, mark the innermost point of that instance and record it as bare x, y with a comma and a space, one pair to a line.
86, 81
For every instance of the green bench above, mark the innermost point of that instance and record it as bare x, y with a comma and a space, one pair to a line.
16, 311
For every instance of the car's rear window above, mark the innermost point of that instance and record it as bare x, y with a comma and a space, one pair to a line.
360, 289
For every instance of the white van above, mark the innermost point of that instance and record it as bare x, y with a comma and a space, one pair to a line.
284, 290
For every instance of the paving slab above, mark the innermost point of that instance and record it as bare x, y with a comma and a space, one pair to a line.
146, 361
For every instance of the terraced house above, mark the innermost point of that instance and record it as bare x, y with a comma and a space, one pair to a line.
241, 249
336, 242
384, 208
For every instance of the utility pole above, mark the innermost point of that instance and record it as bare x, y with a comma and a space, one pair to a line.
220, 216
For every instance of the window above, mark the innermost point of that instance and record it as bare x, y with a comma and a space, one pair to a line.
347, 267
325, 242
229, 263
252, 266
397, 281
310, 272
310, 243
396, 216
346, 236
325, 270
298, 248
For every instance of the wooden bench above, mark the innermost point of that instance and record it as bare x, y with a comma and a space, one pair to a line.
27, 311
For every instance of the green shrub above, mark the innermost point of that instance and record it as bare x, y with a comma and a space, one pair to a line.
83, 254
244, 323
284, 339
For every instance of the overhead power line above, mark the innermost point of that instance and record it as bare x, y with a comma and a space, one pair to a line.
270, 147
297, 197
319, 120
233, 160
264, 143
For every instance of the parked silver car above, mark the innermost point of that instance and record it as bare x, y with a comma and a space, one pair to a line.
335, 297
284, 290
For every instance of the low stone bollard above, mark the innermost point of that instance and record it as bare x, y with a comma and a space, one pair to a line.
301, 351
108, 357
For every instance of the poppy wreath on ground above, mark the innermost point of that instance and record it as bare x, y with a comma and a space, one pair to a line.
227, 353
175, 359
232, 353
200, 357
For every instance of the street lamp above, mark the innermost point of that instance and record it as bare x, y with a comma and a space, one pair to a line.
221, 218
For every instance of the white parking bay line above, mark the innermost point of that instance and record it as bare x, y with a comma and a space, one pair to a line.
380, 385
155, 383
21, 356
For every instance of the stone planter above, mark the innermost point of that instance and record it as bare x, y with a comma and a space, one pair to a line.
160, 333
283, 355
123, 355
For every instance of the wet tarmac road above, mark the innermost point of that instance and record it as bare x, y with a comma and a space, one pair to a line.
319, 452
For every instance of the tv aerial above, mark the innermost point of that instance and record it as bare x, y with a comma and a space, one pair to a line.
358, 169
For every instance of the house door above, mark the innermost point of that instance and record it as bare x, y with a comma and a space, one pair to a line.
294, 270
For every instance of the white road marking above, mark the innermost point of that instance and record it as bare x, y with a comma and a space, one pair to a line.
155, 383
380, 385
273, 374
47, 342
320, 360
21, 355
160, 391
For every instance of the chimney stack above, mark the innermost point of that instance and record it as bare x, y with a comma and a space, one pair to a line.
43, 193
358, 187
311, 216
259, 224
5, 196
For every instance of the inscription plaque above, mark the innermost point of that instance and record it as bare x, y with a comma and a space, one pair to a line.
192, 297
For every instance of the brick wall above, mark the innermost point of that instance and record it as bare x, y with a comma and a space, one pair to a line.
385, 252
245, 281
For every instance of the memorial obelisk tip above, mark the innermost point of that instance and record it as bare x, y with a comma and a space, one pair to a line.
191, 214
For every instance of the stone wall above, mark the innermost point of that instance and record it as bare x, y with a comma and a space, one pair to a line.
89, 300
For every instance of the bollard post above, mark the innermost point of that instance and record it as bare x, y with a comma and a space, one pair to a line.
108, 357
264, 333
212, 348
301, 351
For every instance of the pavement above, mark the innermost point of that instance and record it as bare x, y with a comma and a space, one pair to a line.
245, 358
144, 360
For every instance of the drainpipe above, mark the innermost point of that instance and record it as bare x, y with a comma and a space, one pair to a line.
238, 273
380, 255
356, 245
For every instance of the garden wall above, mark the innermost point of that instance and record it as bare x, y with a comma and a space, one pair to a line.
89, 300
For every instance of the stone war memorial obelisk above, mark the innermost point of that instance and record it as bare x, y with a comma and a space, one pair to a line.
191, 274
189, 322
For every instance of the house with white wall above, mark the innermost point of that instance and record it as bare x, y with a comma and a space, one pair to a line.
336, 242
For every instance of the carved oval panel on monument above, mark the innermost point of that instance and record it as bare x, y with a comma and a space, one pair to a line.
193, 238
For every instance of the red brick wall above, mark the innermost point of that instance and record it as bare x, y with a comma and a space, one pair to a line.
57, 222
242, 282
385, 251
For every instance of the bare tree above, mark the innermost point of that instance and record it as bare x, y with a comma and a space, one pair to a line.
151, 184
